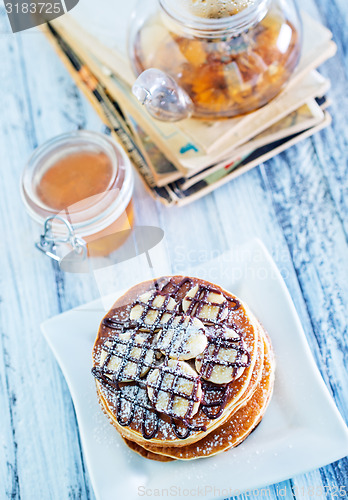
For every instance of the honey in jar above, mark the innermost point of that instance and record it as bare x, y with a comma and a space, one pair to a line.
230, 57
86, 179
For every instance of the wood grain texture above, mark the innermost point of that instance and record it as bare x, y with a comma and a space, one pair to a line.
296, 203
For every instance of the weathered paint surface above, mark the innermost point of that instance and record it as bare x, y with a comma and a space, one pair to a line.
297, 204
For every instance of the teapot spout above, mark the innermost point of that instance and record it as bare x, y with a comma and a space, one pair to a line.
163, 98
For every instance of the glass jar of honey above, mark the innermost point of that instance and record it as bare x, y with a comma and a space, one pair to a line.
79, 187
212, 59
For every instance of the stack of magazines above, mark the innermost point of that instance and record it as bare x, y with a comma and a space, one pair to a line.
180, 162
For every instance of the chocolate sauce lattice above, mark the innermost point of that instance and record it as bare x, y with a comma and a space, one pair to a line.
176, 376
122, 349
200, 300
197, 303
213, 409
210, 361
137, 402
132, 397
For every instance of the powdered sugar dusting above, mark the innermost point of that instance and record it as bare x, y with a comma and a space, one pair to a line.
140, 340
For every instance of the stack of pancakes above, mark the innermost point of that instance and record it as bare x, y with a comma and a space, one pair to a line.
183, 369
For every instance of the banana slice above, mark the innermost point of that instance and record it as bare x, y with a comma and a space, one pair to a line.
153, 309
223, 361
175, 389
184, 339
127, 356
205, 305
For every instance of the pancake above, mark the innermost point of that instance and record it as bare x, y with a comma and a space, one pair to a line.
238, 427
175, 360
253, 383
145, 453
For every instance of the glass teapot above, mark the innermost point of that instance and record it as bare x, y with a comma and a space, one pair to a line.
212, 59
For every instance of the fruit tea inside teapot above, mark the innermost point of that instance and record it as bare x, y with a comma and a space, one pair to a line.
212, 59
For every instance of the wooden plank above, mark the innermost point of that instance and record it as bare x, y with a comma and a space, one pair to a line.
317, 243
331, 145
43, 452
316, 239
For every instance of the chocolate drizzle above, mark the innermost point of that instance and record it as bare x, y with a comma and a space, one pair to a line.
131, 397
210, 361
156, 419
219, 405
200, 299
189, 428
173, 390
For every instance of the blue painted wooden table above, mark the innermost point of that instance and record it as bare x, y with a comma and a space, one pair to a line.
297, 204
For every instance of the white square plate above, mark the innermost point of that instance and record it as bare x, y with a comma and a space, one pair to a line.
301, 430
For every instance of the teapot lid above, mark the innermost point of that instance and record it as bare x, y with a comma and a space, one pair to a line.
213, 9
212, 18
